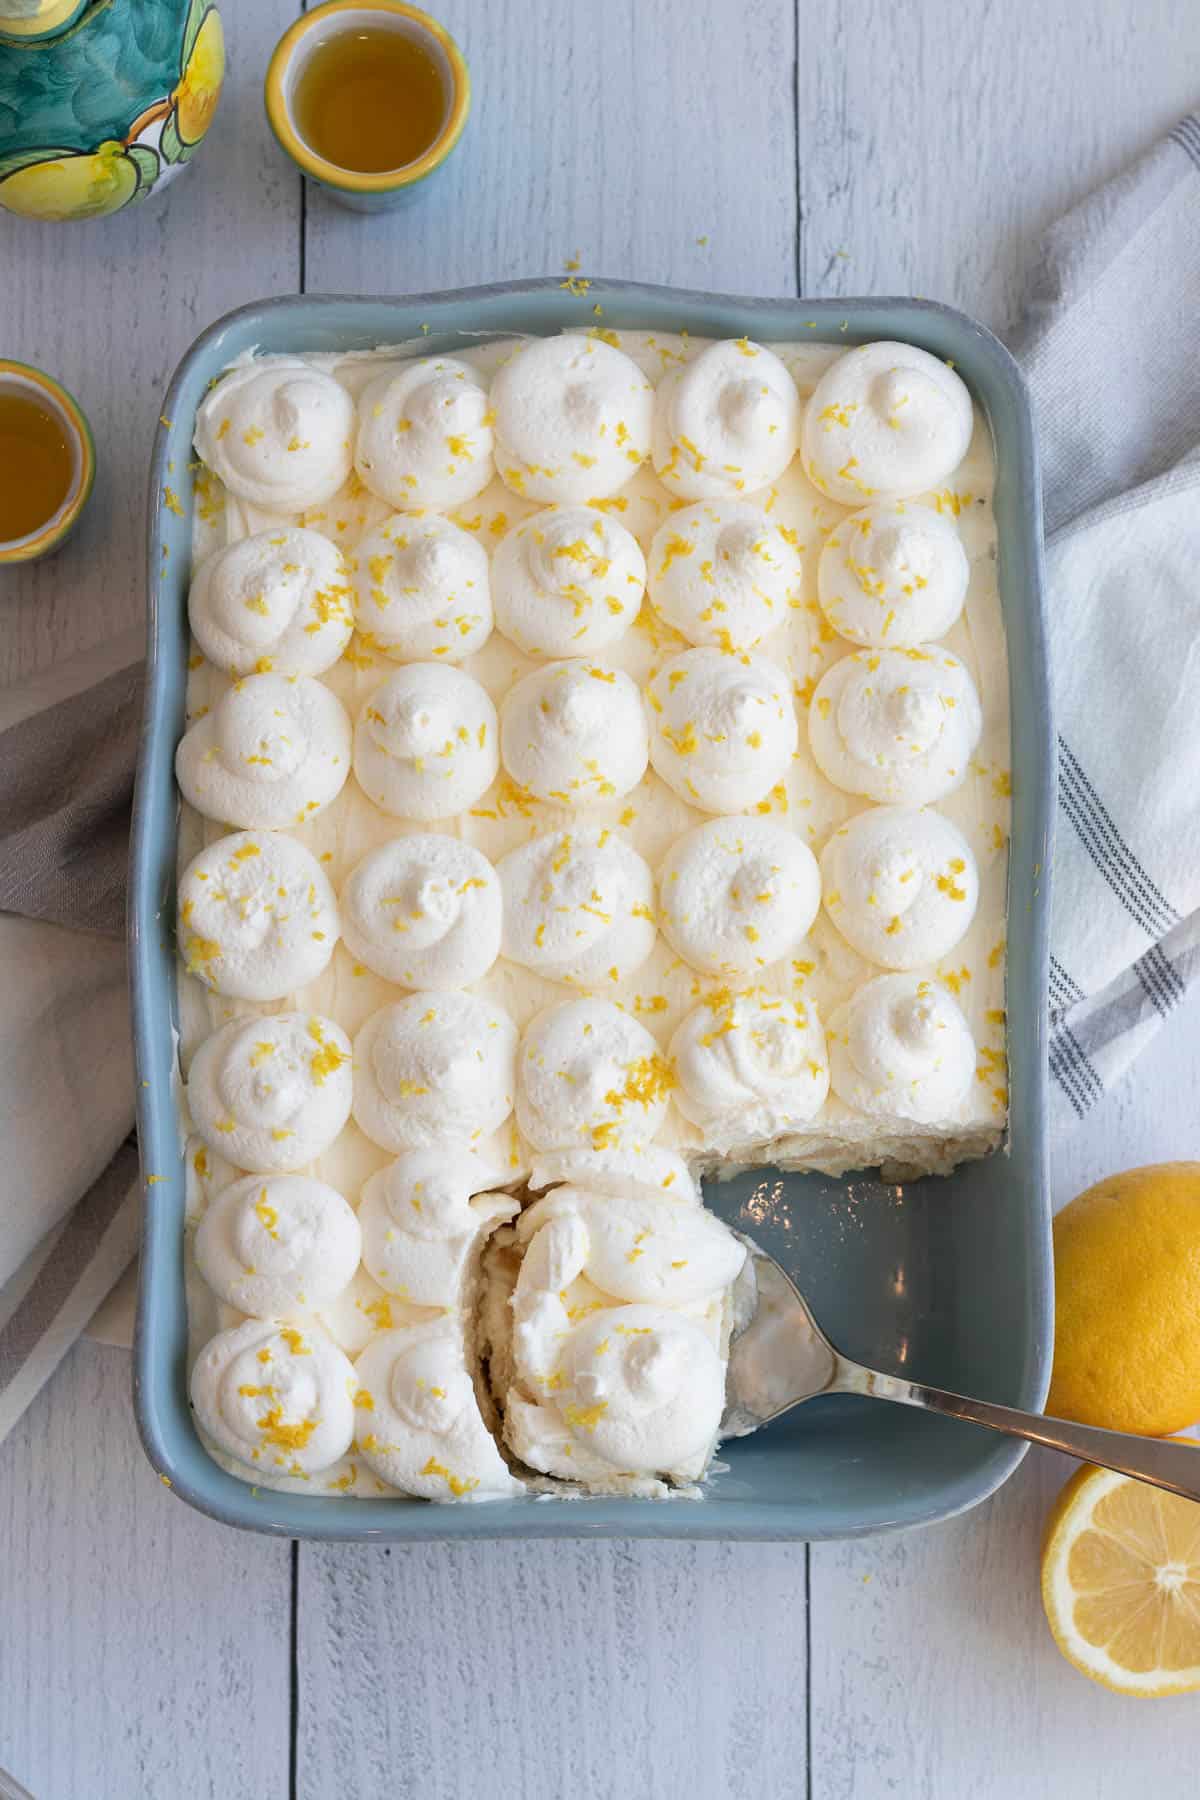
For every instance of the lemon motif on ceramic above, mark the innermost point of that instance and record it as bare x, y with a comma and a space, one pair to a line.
51, 180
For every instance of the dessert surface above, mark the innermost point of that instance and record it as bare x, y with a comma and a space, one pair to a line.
596, 771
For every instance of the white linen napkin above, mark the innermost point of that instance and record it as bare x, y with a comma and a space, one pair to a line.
1110, 349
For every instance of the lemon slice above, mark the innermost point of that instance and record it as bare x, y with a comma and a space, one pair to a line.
1121, 1583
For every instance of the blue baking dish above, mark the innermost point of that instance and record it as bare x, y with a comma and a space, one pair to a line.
946, 1279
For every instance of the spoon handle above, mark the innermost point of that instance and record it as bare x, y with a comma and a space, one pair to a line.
1170, 1463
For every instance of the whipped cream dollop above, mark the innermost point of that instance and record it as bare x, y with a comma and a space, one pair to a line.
567, 581
736, 894
684, 1254
897, 725
620, 1169
424, 911
892, 575
575, 733
578, 905
727, 423
277, 600
721, 573
434, 1068
426, 744
257, 916
573, 419
723, 728
620, 1381
273, 752
900, 884
885, 421
750, 1066
901, 1048
270, 1094
276, 1397
421, 590
425, 434
419, 1423
422, 1218
278, 1245
279, 435
588, 1074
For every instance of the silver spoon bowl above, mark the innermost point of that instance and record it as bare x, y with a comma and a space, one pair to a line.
780, 1357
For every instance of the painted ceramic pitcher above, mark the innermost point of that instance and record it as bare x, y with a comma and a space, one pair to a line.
102, 102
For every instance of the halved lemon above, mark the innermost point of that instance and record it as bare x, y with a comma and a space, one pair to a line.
1121, 1583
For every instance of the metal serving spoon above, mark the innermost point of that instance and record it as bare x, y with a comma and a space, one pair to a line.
780, 1357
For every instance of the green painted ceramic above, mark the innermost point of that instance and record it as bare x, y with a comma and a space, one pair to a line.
102, 104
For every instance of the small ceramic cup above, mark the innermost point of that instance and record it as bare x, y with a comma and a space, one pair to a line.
55, 399
389, 187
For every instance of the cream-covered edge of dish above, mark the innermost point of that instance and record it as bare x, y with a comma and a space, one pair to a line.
819, 974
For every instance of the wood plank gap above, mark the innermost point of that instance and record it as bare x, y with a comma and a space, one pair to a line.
798, 192
294, 1673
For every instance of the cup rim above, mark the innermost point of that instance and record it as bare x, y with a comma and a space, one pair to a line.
332, 174
36, 543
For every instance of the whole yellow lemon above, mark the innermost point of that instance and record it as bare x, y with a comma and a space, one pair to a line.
1127, 1287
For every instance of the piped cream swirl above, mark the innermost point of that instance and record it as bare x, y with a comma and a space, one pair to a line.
275, 751
901, 1048
588, 1074
885, 421
425, 435
574, 733
423, 1431
750, 1066
277, 1398
578, 905
721, 573
278, 1245
723, 728
567, 581
422, 591
270, 1094
278, 434
727, 423
900, 884
424, 911
276, 601
434, 1068
893, 575
257, 916
896, 725
422, 1218
426, 744
573, 419
736, 894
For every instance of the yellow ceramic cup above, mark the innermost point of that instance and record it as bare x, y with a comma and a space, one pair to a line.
389, 187
55, 399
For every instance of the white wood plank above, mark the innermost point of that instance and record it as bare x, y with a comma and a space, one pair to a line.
933, 1670
938, 139
622, 134
110, 306
605, 1670
145, 1650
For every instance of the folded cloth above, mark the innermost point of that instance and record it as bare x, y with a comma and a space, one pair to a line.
67, 745
1108, 348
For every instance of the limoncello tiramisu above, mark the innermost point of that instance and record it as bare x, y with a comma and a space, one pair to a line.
595, 777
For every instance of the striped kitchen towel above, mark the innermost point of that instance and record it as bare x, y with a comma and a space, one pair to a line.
1111, 347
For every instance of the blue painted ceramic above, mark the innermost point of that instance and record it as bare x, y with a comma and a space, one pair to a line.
99, 113
949, 1280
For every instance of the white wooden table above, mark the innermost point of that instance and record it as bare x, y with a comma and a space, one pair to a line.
766, 146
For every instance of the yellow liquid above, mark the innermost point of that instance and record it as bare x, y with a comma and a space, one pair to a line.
35, 464
370, 100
